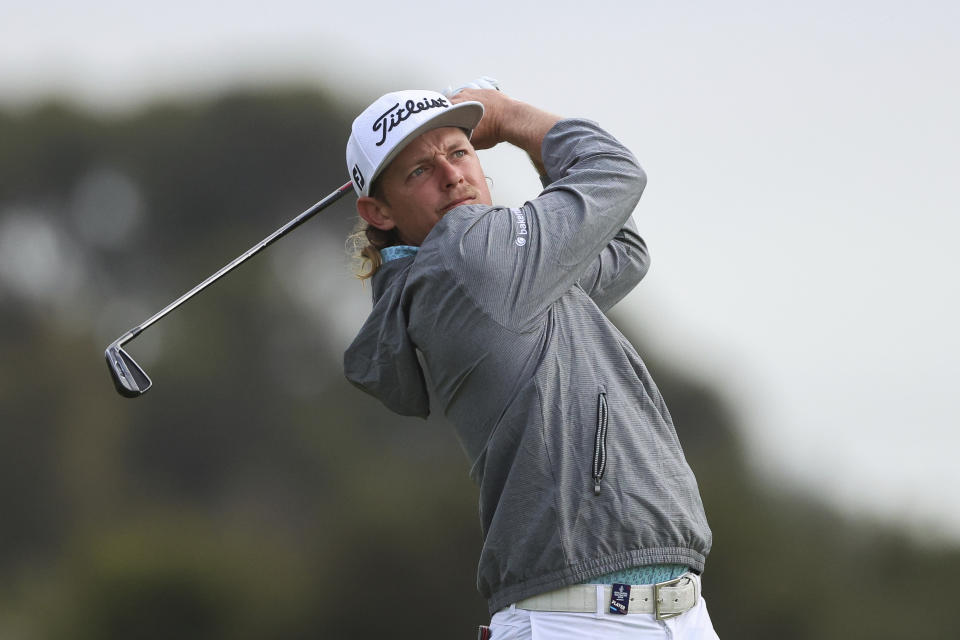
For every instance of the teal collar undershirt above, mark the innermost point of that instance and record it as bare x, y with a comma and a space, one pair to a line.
398, 251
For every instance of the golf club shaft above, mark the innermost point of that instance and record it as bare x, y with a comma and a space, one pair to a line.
260, 246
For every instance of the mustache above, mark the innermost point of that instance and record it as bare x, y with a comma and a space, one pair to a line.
468, 194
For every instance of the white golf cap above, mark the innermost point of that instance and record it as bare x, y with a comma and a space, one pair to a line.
393, 121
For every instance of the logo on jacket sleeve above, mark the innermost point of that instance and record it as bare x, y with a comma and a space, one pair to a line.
520, 221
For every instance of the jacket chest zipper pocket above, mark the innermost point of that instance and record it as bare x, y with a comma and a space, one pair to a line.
600, 443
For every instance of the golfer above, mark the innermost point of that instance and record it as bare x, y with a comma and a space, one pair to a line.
592, 521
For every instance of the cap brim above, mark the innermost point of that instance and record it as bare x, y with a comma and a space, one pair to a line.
465, 115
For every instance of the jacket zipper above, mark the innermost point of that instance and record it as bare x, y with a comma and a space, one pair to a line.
600, 443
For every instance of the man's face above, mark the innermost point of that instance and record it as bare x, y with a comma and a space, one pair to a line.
436, 172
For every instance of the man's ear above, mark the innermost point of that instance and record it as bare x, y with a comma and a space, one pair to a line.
375, 213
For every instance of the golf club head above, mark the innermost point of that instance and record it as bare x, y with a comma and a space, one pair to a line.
131, 381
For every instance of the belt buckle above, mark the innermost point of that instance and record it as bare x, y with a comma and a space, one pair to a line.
658, 599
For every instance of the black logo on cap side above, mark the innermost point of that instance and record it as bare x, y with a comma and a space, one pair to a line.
397, 114
358, 177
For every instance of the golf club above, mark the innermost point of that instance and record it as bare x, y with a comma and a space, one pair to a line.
129, 378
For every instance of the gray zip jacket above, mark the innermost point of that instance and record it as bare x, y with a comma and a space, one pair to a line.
499, 322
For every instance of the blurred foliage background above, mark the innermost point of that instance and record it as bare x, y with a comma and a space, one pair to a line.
253, 493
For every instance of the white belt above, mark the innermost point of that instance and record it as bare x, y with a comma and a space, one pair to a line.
664, 599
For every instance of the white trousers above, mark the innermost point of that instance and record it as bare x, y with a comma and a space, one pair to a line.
518, 624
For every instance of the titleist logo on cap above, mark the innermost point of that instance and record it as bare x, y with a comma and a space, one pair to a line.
397, 114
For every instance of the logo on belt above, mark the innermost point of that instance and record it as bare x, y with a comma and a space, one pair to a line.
620, 598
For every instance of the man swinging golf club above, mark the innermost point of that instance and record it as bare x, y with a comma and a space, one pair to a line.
592, 520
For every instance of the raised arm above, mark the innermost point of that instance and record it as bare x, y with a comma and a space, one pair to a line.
576, 232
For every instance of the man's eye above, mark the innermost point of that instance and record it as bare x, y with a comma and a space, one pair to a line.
417, 172
459, 153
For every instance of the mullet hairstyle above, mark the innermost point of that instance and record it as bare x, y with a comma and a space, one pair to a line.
365, 241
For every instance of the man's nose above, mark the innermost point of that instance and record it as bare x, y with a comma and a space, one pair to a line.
450, 173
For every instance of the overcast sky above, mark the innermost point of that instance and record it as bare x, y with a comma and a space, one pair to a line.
801, 207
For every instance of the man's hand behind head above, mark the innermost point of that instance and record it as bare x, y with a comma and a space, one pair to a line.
496, 107
508, 120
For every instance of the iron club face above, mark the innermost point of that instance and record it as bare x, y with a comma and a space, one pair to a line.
128, 377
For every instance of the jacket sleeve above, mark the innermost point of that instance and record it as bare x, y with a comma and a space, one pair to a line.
578, 230
383, 362
616, 271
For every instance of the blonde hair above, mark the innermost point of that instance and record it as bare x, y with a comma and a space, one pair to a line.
365, 241
364, 244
